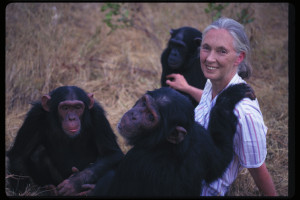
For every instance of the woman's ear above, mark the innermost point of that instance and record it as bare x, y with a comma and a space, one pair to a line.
239, 59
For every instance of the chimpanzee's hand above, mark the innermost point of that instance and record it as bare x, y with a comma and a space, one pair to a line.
87, 189
73, 185
49, 190
250, 94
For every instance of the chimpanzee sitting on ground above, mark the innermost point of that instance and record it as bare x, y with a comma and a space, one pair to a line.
67, 131
173, 154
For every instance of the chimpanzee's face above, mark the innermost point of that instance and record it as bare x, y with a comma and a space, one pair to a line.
70, 112
142, 117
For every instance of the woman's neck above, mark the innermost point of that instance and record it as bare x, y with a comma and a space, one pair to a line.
218, 86
216, 89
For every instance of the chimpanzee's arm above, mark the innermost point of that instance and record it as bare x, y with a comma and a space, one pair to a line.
90, 175
101, 166
27, 140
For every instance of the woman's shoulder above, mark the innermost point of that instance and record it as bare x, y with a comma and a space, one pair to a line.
248, 107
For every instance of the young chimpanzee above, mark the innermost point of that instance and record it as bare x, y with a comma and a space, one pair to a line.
182, 57
65, 140
172, 154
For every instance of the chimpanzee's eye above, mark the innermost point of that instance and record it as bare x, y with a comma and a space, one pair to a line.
64, 107
78, 107
143, 102
151, 117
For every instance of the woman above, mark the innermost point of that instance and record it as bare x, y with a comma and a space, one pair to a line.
224, 54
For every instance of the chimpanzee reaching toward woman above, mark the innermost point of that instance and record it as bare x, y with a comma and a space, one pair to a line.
182, 57
172, 154
65, 141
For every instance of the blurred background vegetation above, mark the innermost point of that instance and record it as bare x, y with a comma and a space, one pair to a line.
113, 50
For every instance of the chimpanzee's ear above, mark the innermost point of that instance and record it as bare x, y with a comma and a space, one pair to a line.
177, 135
45, 100
92, 101
171, 31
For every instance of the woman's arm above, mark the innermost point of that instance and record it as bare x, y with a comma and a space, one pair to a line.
263, 180
178, 82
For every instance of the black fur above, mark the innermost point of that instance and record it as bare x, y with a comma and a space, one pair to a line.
45, 153
155, 167
190, 67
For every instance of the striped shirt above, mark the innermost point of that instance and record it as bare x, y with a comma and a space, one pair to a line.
249, 141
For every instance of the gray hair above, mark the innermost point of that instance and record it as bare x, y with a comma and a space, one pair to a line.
240, 41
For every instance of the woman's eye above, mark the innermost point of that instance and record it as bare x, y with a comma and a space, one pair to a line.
204, 47
222, 51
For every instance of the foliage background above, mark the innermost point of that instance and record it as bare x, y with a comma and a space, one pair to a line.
48, 45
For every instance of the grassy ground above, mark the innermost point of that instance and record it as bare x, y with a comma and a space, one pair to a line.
53, 44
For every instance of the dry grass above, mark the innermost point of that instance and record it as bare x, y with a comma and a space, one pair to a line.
54, 44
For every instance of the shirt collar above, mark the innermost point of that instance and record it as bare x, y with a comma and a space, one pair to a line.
235, 80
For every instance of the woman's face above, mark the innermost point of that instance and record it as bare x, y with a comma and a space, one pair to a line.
219, 60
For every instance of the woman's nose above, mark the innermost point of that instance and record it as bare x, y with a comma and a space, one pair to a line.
211, 57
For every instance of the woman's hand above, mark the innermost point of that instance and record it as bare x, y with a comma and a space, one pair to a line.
178, 82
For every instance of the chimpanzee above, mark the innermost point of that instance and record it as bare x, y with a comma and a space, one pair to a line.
182, 57
66, 140
172, 154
